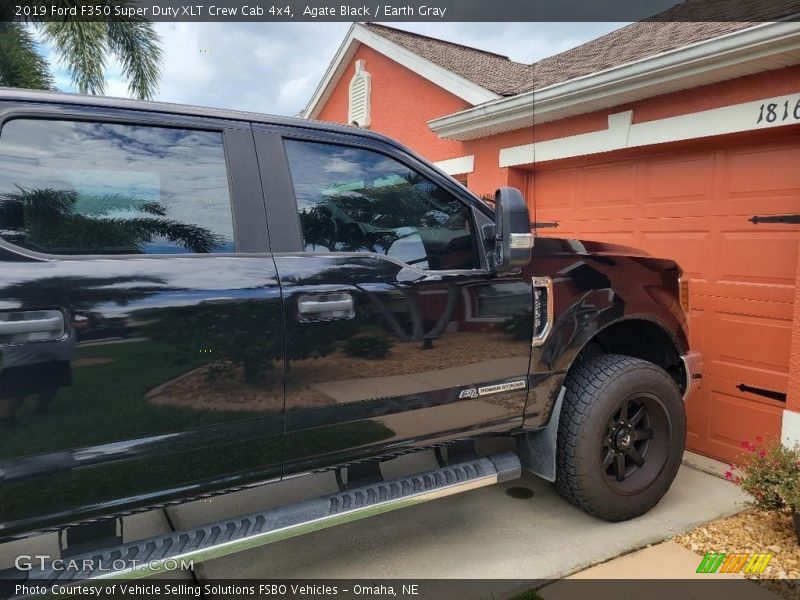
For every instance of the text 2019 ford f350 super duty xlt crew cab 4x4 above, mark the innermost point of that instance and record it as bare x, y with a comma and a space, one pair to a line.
196, 300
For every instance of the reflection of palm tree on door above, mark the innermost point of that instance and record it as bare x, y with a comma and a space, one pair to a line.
42, 219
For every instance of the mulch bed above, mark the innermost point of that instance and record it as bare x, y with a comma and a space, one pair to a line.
196, 390
750, 532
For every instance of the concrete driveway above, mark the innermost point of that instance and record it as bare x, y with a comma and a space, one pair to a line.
513, 531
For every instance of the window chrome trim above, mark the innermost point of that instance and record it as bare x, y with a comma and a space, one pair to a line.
392, 259
547, 283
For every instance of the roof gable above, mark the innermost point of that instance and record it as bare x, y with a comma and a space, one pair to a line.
479, 76
467, 90
492, 71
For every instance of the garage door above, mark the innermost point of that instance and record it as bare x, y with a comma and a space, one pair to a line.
694, 205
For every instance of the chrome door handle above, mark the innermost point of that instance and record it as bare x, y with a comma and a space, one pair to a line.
31, 325
321, 307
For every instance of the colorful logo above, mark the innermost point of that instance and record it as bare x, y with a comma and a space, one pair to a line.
734, 563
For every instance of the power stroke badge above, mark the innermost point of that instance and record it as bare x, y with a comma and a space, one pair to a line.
474, 392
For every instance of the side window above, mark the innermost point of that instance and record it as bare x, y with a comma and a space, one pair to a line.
75, 187
356, 200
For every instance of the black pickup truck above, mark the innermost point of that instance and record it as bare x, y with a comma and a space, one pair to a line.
193, 301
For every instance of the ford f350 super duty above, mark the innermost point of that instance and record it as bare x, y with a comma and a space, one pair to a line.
193, 301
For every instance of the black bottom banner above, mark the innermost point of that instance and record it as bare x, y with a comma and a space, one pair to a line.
413, 589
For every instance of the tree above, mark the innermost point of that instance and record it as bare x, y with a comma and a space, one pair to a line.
21, 64
47, 218
83, 46
247, 334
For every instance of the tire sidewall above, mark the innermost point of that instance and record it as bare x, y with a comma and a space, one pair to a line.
640, 379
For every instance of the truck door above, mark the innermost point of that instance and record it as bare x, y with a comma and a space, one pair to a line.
140, 325
397, 333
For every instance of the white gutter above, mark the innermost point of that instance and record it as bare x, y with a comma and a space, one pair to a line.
705, 62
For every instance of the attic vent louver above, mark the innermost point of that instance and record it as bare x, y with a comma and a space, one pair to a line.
358, 109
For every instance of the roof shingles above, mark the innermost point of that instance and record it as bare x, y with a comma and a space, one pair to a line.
666, 31
492, 71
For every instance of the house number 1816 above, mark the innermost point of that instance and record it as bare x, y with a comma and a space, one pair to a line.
772, 112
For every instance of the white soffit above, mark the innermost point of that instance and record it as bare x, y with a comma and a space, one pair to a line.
760, 48
358, 34
623, 133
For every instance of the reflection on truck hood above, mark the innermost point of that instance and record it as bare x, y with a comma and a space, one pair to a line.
552, 245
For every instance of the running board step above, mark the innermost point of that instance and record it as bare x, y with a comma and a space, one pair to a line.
154, 555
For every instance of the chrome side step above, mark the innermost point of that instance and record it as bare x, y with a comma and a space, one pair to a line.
162, 553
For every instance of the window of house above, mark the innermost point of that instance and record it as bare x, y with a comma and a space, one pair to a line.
356, 200
76, 187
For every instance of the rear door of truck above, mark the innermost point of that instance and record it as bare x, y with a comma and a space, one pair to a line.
141, 327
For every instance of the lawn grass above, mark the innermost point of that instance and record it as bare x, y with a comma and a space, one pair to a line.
105, 403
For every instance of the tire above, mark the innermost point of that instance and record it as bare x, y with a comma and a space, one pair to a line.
593, 431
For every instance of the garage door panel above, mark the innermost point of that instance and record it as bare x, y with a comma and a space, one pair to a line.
553, 191
626, 238
749, 350
685, 247
694, 206
757, 256
597, 231
735, 419
731, 291
612, 186
762, 171
682, 181
742, 209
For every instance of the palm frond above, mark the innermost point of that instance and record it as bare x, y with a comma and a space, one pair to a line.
21, 63
192, 237
42, 205
138, 48
82, 46
153, 208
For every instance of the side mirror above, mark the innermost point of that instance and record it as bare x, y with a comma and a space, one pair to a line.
512, 230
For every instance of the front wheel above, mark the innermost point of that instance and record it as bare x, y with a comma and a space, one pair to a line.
620, 436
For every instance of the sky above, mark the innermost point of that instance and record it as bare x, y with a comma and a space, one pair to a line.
275, 67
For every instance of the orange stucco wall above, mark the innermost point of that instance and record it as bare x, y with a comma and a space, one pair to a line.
402, 103
488, 175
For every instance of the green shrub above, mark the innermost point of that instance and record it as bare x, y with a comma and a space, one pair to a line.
770, 473
371, 346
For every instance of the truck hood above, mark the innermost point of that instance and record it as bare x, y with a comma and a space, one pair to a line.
571, 246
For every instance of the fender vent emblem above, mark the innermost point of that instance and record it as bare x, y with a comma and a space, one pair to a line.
542, 309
